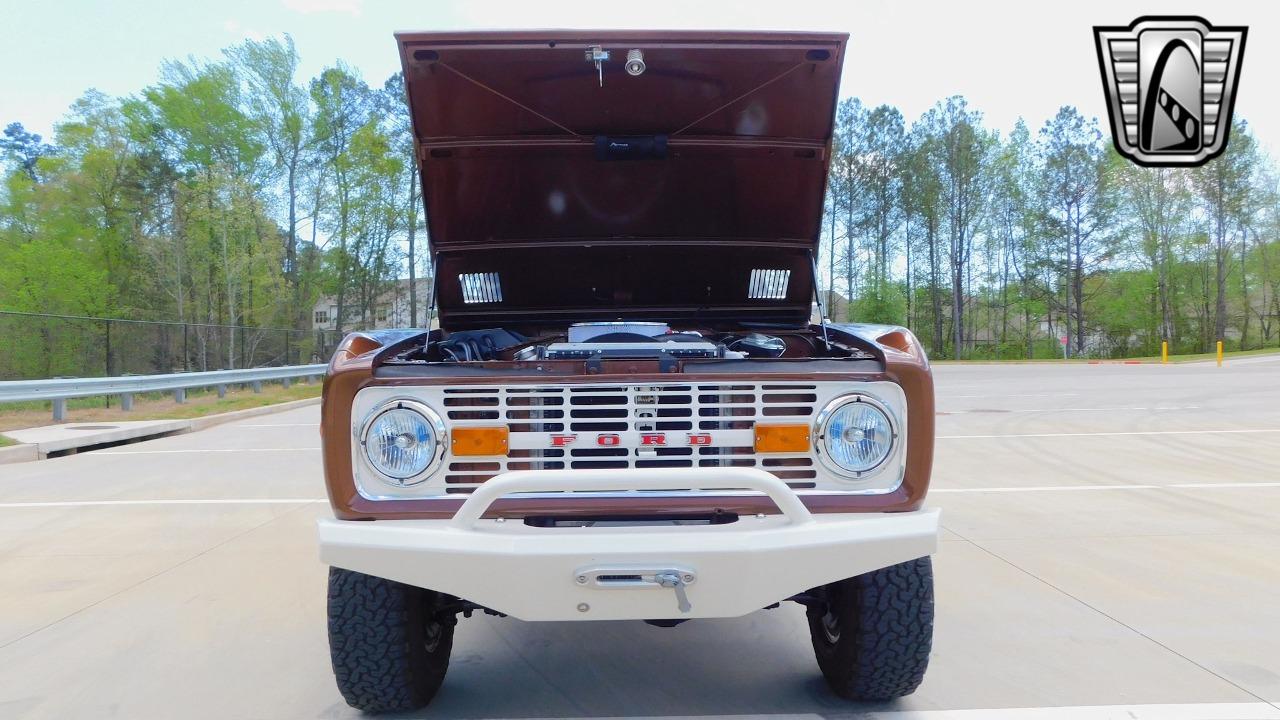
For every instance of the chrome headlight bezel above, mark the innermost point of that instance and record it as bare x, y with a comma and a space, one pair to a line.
432, 419
820, 437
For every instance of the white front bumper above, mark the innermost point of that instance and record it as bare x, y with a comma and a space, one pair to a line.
570, 573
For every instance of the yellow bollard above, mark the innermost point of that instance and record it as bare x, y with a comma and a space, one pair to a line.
1219, 353
1164, 352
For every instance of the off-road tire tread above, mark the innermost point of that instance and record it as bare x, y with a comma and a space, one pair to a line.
377, 631
886, 632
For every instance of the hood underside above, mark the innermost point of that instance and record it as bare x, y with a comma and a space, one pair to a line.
536, 163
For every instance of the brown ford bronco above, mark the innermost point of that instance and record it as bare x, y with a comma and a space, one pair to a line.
627, 411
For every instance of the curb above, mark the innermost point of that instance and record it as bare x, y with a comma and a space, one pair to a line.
208, 421
29, 452
18, 453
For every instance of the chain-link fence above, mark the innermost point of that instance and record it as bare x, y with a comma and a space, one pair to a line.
39, 345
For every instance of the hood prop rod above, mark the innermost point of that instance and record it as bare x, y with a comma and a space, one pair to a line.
435, 292
817, 297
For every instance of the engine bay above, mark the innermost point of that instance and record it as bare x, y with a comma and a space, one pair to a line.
627, 340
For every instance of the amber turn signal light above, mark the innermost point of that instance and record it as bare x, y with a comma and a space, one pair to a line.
782, 438
478, 441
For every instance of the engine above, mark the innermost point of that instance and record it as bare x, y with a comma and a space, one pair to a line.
611, 341
621, 340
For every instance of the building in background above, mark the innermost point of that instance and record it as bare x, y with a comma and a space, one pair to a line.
390, 311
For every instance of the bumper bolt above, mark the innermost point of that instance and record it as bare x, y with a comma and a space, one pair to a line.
583, 607
582, 579
687, 578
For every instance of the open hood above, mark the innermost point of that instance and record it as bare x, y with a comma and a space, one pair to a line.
680, 178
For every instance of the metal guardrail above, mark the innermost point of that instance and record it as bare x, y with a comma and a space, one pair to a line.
59, 390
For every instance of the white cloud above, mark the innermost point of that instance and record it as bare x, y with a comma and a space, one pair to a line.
309, 7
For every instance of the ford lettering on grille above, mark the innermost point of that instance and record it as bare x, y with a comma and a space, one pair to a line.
648, 438
618, 426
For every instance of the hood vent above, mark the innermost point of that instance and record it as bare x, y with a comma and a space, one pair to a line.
480, 288
769, 284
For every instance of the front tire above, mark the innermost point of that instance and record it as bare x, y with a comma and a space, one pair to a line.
873, 633
389, 653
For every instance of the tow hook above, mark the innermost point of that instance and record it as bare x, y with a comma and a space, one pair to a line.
673, 579
631, 577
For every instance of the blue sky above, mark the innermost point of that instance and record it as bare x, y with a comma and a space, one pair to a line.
1008, 58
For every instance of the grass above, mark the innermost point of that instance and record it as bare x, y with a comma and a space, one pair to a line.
1226, 356
152, 406
4, 441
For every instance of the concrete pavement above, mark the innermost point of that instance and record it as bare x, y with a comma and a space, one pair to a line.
1111, 540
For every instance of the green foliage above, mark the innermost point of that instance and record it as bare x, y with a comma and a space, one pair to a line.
188, 202
237, 193
26, 148
886, 305
46, 266
1002, 245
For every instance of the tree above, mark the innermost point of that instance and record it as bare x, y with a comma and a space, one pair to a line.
1078, 203
395, 107
923, 207
961, 156
342, 105
281, 110
189, 202
1012, 225
879, 149
1158, 200
50, 263
847, 196
194, 119
377, 175
1265, 254
25, 147
99, 176
1224, 188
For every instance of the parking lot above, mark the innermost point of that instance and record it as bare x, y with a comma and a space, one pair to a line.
1112, 537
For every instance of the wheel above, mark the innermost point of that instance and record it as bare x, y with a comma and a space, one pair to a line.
389, 654
873, 633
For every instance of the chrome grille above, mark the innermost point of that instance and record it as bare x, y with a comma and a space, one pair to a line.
721, 415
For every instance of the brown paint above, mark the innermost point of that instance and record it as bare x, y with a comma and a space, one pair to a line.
352, 370
506, 127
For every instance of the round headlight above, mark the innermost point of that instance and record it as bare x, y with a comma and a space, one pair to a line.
401, 441
857, 435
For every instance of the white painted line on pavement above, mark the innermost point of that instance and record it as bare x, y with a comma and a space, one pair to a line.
262, 425
1107, 434
990, 395
1072, 488
1246, 360
1045, 488
1225, 485
1064, 409
1190, 711
202, 450
112, 503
